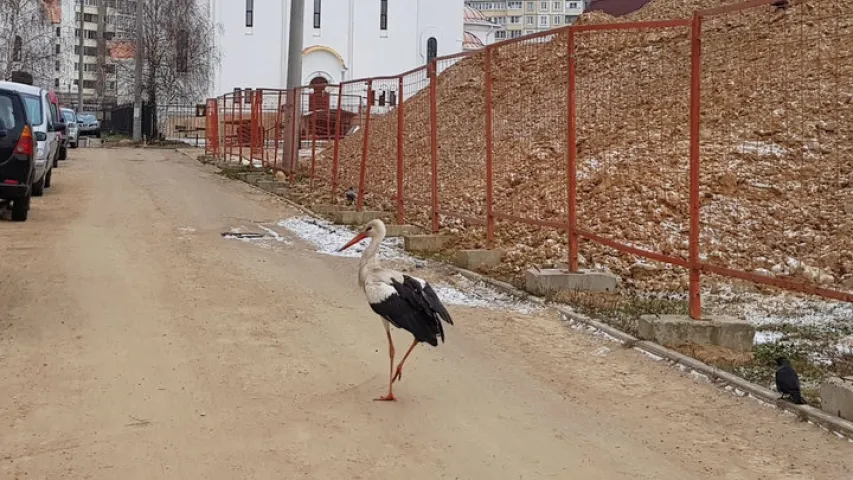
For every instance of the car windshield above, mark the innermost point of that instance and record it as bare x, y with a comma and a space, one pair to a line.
87, 117
33, 109
7, 113
69, 116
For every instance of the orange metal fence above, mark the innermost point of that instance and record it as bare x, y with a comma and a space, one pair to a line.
632, 136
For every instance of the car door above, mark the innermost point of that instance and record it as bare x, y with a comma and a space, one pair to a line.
52, 135
12, 122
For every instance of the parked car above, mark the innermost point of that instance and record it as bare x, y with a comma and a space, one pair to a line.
72, 132
43, 114
17, 154
89, 124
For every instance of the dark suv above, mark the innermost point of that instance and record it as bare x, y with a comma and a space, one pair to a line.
17, 154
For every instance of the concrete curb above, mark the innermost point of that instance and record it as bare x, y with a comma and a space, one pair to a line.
819, 417
830, 422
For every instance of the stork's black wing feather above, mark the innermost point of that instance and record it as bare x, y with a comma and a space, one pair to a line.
416, 308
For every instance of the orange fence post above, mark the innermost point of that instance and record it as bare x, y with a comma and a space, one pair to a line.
401, 208
695, 92
336, 154
254, 119
433, 128
490, 203
277, 131
313, 136
571, 160
364, 147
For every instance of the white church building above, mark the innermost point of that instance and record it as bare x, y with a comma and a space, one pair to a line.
343, 39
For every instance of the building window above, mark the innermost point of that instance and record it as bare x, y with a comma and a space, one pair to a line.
558, 19
515, 34
530, 20
183, 51
57, 66
543, 6
572, 4
57, 48
250, 13
55, 83
531, 6
317, 13
515, 19
570, 19
558, 6
432, 49
16, 48
58, 32
543, 20
514, 5
383, 14
500, 35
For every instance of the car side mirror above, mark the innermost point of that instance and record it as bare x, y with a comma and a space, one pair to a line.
59, 127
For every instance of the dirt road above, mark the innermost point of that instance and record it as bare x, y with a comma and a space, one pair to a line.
137, 343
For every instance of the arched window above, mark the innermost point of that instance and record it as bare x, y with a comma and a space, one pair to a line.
432, 49
16, 48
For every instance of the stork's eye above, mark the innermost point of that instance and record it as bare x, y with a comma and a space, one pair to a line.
368, 229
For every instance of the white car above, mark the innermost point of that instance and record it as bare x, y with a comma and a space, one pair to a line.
73, 130
43, 112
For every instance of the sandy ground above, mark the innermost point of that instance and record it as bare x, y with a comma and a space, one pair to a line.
137, 343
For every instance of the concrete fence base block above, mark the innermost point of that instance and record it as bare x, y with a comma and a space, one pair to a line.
400, 230
552, 280
836, 397
674, 330
478, 259
272, 186
343, 217
425, 243
328, 209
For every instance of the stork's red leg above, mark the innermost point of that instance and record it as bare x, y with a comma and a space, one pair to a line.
399, 374
390, 396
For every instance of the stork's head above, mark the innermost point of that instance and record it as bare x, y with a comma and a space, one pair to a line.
374, 229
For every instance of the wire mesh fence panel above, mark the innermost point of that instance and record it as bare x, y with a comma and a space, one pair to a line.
529, 85
461, 144
181, 123
632, 93
353, 115
417, 173
325, 102
381, 161
777, 142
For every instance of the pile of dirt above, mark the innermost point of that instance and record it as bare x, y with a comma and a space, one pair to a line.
776, 132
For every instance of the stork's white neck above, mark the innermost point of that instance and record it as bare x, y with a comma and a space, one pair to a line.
368, 259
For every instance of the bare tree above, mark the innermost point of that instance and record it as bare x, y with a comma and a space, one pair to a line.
27, 40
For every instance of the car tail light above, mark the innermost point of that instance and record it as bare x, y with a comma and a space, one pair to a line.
10, 182
25, 143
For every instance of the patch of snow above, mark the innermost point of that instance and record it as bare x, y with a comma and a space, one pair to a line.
762, 148
327, 238
767, 337
266, 241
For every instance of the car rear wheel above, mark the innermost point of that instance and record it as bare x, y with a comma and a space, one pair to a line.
38, 187
74, 145
63, 153
47, 178
20, 209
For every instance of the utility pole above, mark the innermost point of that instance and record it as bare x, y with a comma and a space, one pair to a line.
294, 80
137, 81
81, 64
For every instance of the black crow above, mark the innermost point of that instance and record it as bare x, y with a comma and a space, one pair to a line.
350, 195
787, 381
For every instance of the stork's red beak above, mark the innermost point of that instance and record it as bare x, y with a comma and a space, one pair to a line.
356, 239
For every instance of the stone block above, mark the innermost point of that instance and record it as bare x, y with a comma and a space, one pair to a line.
425, 243
272, 186
674, 330
552, 280
328, 209
478, 259
400, 230
345, 217
836, 397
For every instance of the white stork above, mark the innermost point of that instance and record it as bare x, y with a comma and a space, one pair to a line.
404, 301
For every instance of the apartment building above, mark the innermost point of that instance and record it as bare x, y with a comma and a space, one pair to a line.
518, 18
104, 22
